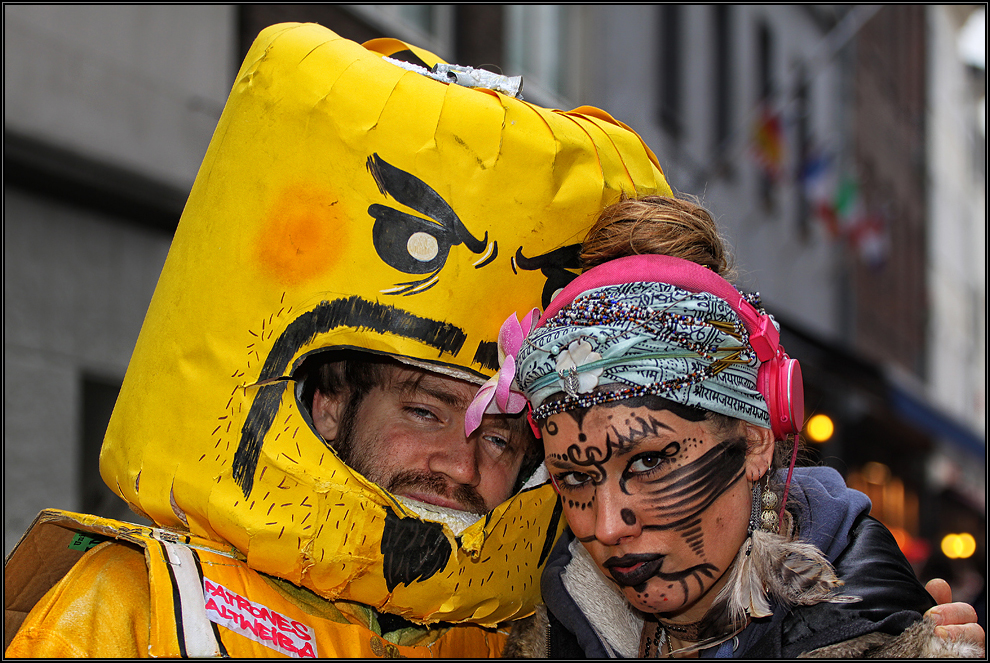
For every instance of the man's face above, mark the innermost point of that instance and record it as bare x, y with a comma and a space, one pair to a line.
407, 435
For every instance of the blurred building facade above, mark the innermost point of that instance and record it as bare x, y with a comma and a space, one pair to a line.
836, 145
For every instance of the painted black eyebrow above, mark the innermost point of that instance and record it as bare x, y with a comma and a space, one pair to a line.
564, 464
633, 447
413, 192
347, 312
625, 445
619, 452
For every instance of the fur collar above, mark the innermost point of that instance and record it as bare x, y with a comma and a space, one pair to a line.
617, 624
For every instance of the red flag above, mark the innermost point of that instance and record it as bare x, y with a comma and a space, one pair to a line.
768, 143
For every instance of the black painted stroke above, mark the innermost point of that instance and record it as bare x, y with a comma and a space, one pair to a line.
393, 228
412, 550
487, 354
681, 495
349, 312
554, 265
176, 602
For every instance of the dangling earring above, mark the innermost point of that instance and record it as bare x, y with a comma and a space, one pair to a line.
763, 515
754, 512
769, 521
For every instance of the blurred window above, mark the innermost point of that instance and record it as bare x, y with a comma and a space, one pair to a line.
670, 30
427, 26
722, 76
765, 86
539, 45
803, 129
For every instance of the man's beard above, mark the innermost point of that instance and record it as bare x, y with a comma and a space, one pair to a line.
347, 445
435, 484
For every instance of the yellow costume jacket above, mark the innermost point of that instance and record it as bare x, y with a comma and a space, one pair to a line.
348, 200
157, 593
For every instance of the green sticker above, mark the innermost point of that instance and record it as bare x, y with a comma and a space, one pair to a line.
84, 542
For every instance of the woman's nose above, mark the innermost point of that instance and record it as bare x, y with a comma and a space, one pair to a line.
616, 518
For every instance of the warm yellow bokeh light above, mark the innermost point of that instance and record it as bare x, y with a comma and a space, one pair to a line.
958, 546
819, 428
876, 473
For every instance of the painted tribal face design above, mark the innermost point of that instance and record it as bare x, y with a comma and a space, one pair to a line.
660, 502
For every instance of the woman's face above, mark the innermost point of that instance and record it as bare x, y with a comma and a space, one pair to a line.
660, 502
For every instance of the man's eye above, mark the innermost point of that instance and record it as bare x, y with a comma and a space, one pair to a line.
497, 440
496, 444
421, 413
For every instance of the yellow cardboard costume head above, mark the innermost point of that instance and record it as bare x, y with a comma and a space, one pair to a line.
348, 202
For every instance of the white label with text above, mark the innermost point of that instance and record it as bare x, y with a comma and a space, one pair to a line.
258, 622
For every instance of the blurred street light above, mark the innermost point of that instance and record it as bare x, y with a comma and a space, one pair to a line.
820, 428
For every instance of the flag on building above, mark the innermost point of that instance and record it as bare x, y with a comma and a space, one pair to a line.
768, 142
836, 201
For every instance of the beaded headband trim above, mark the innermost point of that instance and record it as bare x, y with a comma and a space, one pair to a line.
569, 402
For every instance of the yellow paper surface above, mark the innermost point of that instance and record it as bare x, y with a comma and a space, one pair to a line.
275, 257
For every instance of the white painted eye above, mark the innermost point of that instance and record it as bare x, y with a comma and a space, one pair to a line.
422, 246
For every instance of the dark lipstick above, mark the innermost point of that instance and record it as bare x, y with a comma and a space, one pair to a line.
631, 570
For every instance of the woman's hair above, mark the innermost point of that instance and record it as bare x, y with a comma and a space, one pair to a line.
674, 227
657, 225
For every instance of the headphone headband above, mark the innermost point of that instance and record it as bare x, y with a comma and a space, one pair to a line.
779, 379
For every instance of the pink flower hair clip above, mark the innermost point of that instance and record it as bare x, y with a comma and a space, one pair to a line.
501, 395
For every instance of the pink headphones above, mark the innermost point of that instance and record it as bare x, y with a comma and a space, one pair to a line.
779, 379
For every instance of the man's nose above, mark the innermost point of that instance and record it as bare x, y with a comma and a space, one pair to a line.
456, 456
615, 517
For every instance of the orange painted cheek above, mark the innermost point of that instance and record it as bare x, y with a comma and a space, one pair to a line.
303, 236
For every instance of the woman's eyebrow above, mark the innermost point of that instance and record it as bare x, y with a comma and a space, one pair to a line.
560, 463
627, 444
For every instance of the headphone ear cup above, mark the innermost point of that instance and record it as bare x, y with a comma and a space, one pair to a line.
782, 385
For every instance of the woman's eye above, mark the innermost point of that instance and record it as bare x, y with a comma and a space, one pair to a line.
574, 479
645, 464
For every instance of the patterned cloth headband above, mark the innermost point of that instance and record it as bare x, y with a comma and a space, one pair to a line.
637, 338
642, 338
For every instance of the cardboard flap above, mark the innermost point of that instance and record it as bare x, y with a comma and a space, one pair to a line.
42, 557
56, 540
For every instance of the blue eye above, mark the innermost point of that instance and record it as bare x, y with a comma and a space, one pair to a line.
497, 440
497, 445
421, 413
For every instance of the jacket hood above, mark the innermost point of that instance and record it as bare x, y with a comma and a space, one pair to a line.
349, 202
